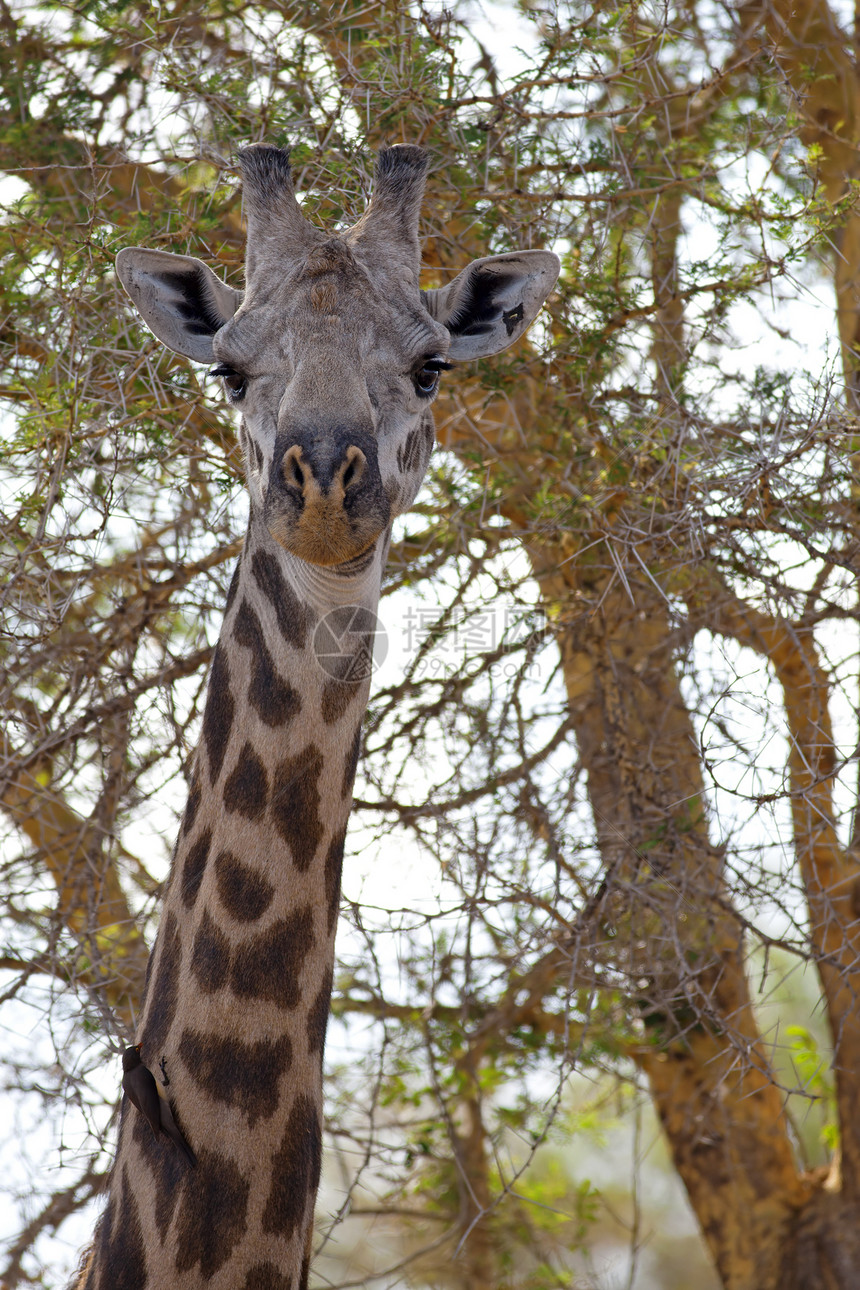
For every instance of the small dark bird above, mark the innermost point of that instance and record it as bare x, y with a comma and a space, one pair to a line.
139, 1084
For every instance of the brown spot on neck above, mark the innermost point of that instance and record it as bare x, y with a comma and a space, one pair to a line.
168, 1170
274, 699
318, 1016
336, 698
210, 956
333, 866
295, 1170
192, 805
163, 992
265, 1276
351, 763
218, 1188
291, 614
247, 789
244, 892
269, 966
122, 1252
193, 867
218, 716
241, 1075
295, 805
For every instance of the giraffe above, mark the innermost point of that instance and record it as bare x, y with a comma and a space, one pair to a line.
333, 355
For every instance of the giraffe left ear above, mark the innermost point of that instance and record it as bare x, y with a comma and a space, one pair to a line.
179, 298
491, 303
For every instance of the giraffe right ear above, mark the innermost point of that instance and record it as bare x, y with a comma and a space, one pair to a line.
179, 298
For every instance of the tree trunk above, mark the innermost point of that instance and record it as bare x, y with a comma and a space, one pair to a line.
670, 931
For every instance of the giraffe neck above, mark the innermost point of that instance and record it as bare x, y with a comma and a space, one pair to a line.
240, 977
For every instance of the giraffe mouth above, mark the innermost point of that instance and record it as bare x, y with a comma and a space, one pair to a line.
326, 503
324, 535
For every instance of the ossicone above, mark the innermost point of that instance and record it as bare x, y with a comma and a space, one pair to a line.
275, 221
266, 173
391, 219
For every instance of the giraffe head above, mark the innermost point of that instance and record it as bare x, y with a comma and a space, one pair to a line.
332, 353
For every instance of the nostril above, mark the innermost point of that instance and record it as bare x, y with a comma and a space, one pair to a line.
292, 470
352, 468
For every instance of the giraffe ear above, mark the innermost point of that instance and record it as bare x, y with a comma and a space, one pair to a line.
179, 298
489, 305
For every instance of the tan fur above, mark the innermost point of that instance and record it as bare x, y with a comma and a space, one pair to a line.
329, 258
323, 297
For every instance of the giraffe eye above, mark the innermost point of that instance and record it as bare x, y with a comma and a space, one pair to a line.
426, 378
234, 382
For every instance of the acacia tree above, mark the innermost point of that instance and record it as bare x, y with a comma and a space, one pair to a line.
672, 533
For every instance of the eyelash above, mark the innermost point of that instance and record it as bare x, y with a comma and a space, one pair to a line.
234, 392
433, 366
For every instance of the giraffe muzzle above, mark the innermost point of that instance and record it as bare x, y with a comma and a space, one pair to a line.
326, 503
